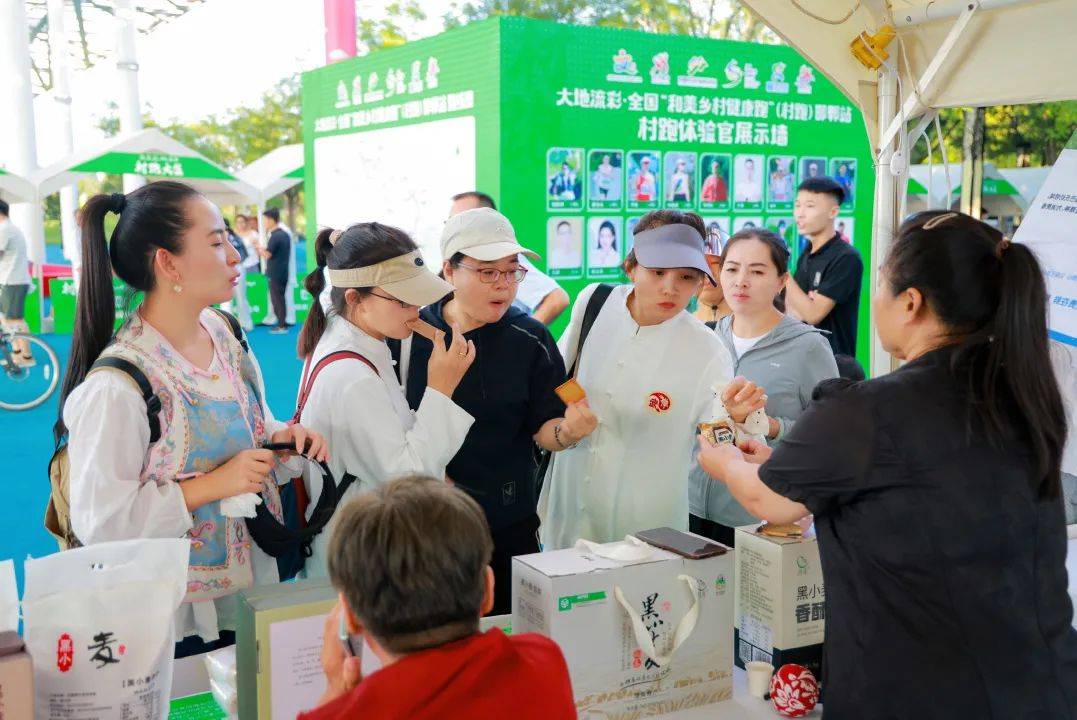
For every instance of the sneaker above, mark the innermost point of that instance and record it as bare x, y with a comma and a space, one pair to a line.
279, 331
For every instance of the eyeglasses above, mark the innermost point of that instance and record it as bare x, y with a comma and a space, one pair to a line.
492, 275
401, 303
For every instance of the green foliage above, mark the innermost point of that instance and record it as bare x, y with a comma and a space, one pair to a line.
728, 19
1013, 134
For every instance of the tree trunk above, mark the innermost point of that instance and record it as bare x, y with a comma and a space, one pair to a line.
289, 204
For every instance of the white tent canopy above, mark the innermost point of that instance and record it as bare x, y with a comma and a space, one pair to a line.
15, 188
1001, 197
274, 172
152, 154
1027, 180
946, 53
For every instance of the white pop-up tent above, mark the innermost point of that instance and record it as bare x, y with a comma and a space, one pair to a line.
151, 154
15, 188
1001, 198
944, 53
274, 172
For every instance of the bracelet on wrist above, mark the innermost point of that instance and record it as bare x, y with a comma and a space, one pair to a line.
557, 438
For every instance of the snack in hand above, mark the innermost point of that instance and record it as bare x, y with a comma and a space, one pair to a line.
570, 392
418, 325
791, 530
719, 432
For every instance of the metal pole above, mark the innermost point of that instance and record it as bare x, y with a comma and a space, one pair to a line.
972, 163
61, 90
127, 69
881, 362
17, 101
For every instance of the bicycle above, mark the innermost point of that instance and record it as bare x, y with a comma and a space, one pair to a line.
25, 385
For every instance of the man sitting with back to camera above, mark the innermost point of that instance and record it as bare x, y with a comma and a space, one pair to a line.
410, 560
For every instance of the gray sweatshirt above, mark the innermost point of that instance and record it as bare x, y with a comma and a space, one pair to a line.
788, 363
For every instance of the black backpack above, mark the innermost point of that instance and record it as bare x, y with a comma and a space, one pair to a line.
289, 546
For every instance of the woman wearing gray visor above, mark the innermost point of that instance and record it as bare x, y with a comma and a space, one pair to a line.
648, 368
350, 389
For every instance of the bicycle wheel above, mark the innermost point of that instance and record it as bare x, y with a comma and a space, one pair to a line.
26, 386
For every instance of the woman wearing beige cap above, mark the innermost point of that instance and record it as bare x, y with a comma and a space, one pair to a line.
350, 389
510, 391
648, 368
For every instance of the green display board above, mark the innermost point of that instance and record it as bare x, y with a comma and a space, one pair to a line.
577, 132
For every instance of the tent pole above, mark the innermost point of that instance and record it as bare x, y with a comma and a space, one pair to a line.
127, 70
61, 74
885, 209
17, 98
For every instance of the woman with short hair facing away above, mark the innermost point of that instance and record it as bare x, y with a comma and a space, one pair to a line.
771, 350
211, 419
648, 368
379, 282
935, 491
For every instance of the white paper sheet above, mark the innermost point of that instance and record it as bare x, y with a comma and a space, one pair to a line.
296, 678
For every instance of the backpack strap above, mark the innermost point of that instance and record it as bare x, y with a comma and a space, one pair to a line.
153, 403
306, 384
590, 314
233, 324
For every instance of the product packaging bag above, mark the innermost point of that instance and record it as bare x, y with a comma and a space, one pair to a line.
99, 624
644, 631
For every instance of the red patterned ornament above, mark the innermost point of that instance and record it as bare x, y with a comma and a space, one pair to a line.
794, 691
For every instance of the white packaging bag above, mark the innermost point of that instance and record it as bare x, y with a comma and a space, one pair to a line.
99, 627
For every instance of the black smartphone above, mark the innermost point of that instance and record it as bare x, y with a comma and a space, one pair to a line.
681, 543
353, 644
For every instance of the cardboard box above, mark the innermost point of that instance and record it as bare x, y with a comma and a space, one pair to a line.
278, 648
575, 598
780, 600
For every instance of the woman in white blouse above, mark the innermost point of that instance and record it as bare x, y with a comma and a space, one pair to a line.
648, 368
379, 283
170, 243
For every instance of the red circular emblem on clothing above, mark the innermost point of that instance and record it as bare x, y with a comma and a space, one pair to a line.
65, 653
794, 691
659, 402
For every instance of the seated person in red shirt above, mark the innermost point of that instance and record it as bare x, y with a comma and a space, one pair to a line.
410, 560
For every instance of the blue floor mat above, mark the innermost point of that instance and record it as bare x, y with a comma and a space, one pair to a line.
27, 444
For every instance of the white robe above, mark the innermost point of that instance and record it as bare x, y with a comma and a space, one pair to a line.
649, 388
371, 431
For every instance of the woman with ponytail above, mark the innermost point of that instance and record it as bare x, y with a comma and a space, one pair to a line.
350, 390
170, 243
936, 492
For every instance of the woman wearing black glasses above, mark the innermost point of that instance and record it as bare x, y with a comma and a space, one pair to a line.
509, 391
350, 390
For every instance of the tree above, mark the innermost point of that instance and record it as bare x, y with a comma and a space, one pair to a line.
92, 26
1015, 135
727, 19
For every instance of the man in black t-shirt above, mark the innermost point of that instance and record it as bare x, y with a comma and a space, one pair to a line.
278, 247
825, 290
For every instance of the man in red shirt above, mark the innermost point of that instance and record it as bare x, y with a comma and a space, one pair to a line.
410, 560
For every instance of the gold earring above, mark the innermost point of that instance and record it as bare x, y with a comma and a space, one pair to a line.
177, 288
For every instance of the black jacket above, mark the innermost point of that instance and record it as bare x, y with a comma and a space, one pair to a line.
509, 390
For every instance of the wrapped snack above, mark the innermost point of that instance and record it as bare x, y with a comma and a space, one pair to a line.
570, 392
422, 327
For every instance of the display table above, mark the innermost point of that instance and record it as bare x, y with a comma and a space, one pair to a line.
190, 678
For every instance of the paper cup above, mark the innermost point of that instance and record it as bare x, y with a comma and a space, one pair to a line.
759, 674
